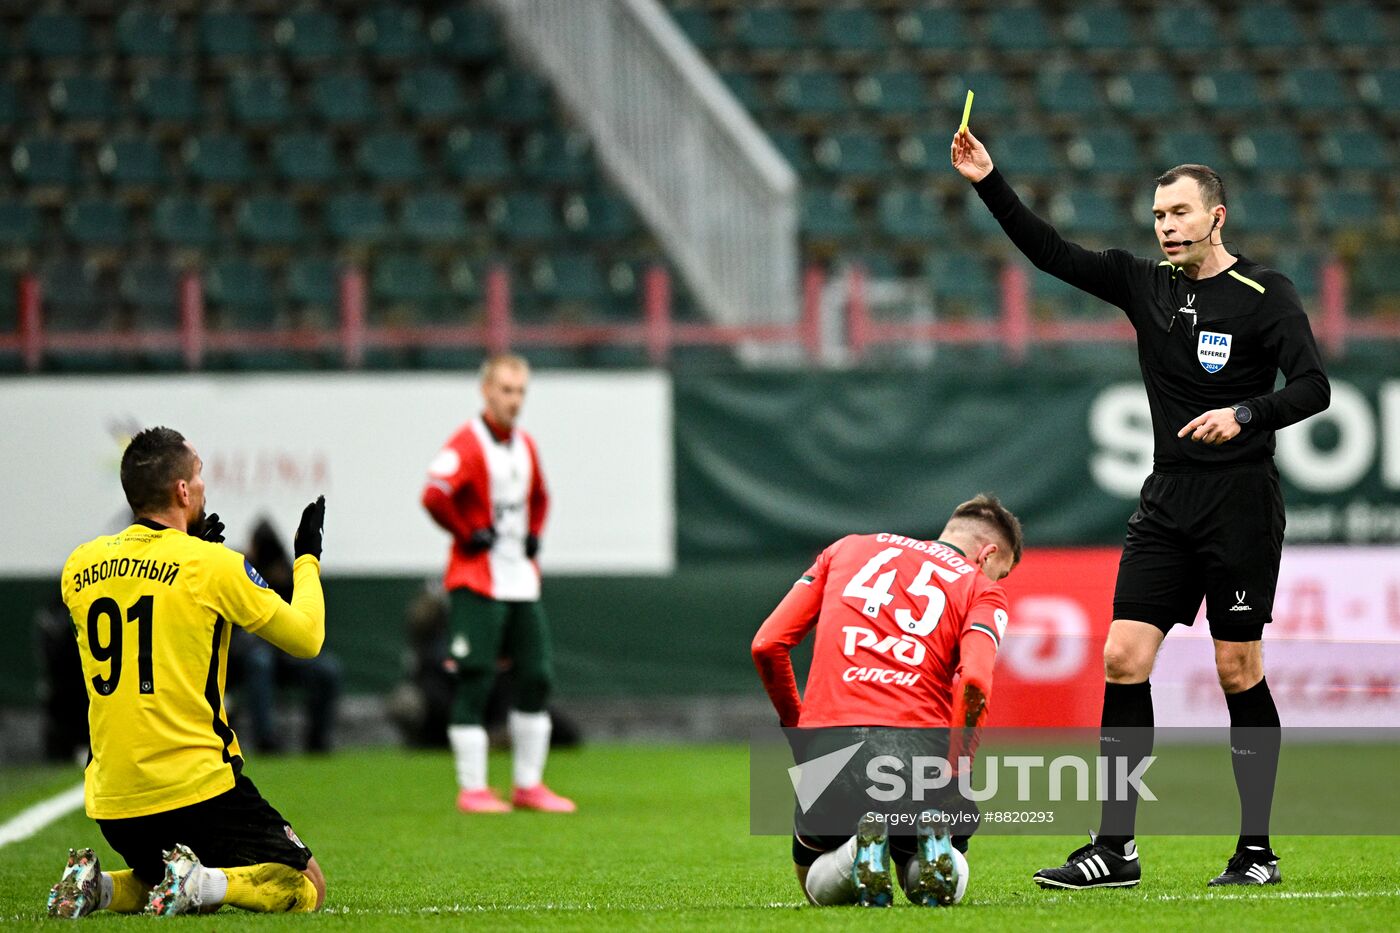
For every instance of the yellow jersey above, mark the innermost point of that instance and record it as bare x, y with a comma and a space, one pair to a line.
152, 611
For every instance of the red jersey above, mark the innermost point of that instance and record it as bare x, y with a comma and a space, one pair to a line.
486, 477
896, 620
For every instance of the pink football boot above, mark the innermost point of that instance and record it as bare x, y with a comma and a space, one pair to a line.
481, 801
543, 799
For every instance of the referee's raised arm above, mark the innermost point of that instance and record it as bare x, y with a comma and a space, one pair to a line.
1105, 275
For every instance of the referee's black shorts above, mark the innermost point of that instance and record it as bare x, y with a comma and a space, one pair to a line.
1215, 536
234, 829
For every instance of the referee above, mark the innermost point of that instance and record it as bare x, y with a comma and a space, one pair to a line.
1213, 331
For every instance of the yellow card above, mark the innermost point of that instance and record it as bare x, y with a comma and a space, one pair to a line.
967, 110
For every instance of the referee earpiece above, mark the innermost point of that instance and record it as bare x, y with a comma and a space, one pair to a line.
1214, 222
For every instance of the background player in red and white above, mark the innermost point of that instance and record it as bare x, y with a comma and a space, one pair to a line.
906, 635
486, 489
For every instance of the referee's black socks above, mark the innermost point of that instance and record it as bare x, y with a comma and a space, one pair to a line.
1254, 745
1125, 739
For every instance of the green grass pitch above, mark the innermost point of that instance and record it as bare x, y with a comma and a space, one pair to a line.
661, 841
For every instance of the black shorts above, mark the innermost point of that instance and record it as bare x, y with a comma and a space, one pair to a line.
234, 829
806, 850
1213, 536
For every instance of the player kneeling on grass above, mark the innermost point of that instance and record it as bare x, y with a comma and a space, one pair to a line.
899, 590
166, 782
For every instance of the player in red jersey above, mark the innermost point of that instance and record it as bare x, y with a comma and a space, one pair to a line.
906, 636
485, 488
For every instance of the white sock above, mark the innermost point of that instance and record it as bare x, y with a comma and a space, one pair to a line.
469, 751
213, 886
829, 881
529, 740
106, 887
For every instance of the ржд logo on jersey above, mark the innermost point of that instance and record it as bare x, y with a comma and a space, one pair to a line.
1213, 350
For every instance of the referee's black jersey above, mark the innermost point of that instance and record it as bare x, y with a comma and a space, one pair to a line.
1202, 343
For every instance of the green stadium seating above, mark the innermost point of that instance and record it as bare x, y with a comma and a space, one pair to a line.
227, 36
133, 163
269, 220
814, 93
910, 216
9, 305
854, 153
306, 159
82, 99
433, 218
147, 34
1085, 212
392, 34
478, 156
600, 217
466, 282
181, 221
1377, 274
940, 29
1302, 266
1260, 211
12, 111
978, 219
852, 31
894, 93
310, 37
962, 284
43, 162
56, 35
516, 98
152, 289
1315, 92
314, 281
1381, 88
168, 100
242, 294
1186, 146
1355, 25
1275, 150
1069, 93
343, 100
431, 96
1355, 150
767, 29
72, 299
1351, 208
1025, 154
1187, 30
1148, 93
1270, 27
569, 278
357, 217
746, 89
1109, 151
95, 222
793, 147
524, 217
19, 224
1228, 92
405, 282
259, 101
1101, 29
827, 215
218, 159
552, 157
390, 158
466, 35
1017, 30
699, 27
994, 97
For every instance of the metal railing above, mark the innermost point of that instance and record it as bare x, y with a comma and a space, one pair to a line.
707, 181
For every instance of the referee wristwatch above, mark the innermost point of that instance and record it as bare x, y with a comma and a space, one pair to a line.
1242, 414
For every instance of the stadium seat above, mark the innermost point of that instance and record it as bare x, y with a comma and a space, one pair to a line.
1351, 208
185, 222
1275, 150
241, 293
516, 98
940, 29
1260, 211
433, 218
894, 93
1085, 212
478, 156
269, 220
431, 96
305, 159
978, 219
1187, 30
852, 31
994, 97
1355, 150
1068, 93
466, 35
9, 307
1101, 29
1381, 88
147, 34
962, 284
1376, 275
19, 224
314, 282
1302, 266
151, 288
170, 101
390, 158
910, 216
218, 160
569, 278
82, 99
1147, 94
1179, 147
310, 37
1316, 93
552, 157
72, 299
747, 89
1110, 151
1270, 27
601, 217
767, 29
228, 36
1228, 92
405, 285
1353, 25
699, 27
1017, 30
827, 215
466, 282
343, 100
94, 222
855, 153
392, 35
133, 163
12, 111
357, 218
524, 217
1025, 154
813, 93
45, 162
793, 147
56, 35
259, 101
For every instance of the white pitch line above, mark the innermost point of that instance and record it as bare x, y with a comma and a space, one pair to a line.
28, 822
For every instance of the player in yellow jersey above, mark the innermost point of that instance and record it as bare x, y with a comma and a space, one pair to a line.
152, 608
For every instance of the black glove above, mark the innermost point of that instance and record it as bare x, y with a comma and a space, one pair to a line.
483, 539
212, 530
313, 524
532, 546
